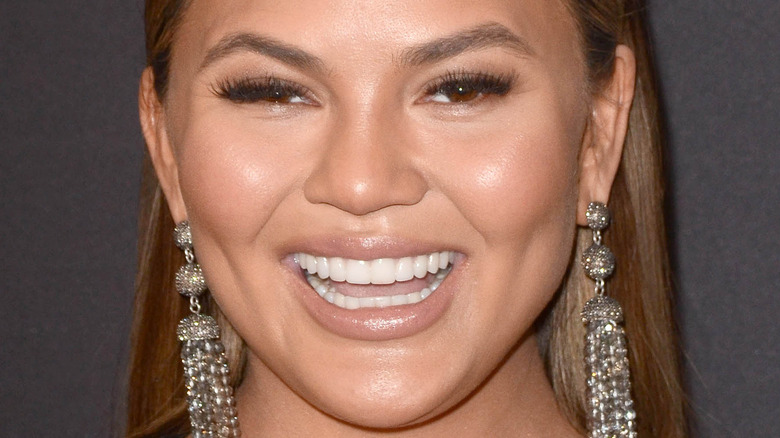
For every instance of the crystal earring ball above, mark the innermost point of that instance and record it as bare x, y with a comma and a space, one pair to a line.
597, 216
598, 262
182, 235
190, 281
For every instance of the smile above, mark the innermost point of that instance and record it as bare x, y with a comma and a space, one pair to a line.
384, 282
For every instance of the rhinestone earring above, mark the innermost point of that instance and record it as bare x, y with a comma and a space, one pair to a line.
610, 409
210, 400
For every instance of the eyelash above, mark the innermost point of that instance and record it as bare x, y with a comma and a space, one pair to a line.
458, 87
269, 89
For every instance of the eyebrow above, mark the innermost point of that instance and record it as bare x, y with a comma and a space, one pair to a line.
262, 45
475, 38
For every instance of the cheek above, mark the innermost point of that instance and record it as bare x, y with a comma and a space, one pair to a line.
513, 177
514, 180
516, 186
233, 172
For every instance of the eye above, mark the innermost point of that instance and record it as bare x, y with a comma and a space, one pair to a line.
258, 90
463, 87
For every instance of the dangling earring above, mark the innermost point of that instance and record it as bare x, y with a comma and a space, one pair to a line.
610, 409
210, 400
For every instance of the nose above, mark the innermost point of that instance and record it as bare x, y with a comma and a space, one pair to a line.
367, 164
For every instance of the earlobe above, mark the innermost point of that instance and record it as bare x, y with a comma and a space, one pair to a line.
606, 133
158, 144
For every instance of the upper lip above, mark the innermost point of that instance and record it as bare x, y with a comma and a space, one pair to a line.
365, 247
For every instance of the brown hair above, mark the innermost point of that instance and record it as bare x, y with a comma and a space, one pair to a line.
637, 236
156, 400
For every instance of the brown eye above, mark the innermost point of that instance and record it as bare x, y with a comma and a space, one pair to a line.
467, 87
276, 95
461, 93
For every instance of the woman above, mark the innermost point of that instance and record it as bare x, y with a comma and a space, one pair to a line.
323, 153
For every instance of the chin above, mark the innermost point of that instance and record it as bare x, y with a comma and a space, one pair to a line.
387, 411
399, 388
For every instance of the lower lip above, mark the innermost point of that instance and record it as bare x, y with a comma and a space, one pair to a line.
378, 324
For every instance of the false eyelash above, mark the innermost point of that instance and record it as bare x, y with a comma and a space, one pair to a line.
249, 90
483, 83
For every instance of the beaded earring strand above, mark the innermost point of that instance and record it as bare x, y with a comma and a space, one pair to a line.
610, 409
210, 400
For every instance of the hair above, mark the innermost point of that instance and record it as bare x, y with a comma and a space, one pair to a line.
641, 283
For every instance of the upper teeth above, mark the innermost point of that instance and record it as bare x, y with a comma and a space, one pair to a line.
377, 271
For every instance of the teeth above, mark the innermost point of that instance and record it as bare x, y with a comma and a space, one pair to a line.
325, 289
338, 269
444, 259
421, 266
377, 271
322, 267
383, 271
311, 264
404, 269
433, 263
358, 272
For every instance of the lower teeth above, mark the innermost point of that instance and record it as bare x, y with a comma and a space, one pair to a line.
327, 292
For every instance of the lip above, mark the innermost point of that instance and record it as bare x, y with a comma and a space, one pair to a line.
364, 248
372, 324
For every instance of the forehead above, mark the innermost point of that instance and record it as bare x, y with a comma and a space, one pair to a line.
363, 30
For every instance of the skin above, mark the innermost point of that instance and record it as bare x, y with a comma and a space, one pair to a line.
504, 180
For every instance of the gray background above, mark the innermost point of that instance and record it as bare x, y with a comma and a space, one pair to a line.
69, 173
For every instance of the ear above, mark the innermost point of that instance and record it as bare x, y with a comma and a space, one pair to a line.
158, 143
606, 132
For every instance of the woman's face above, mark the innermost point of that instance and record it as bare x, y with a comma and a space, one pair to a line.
371, 137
